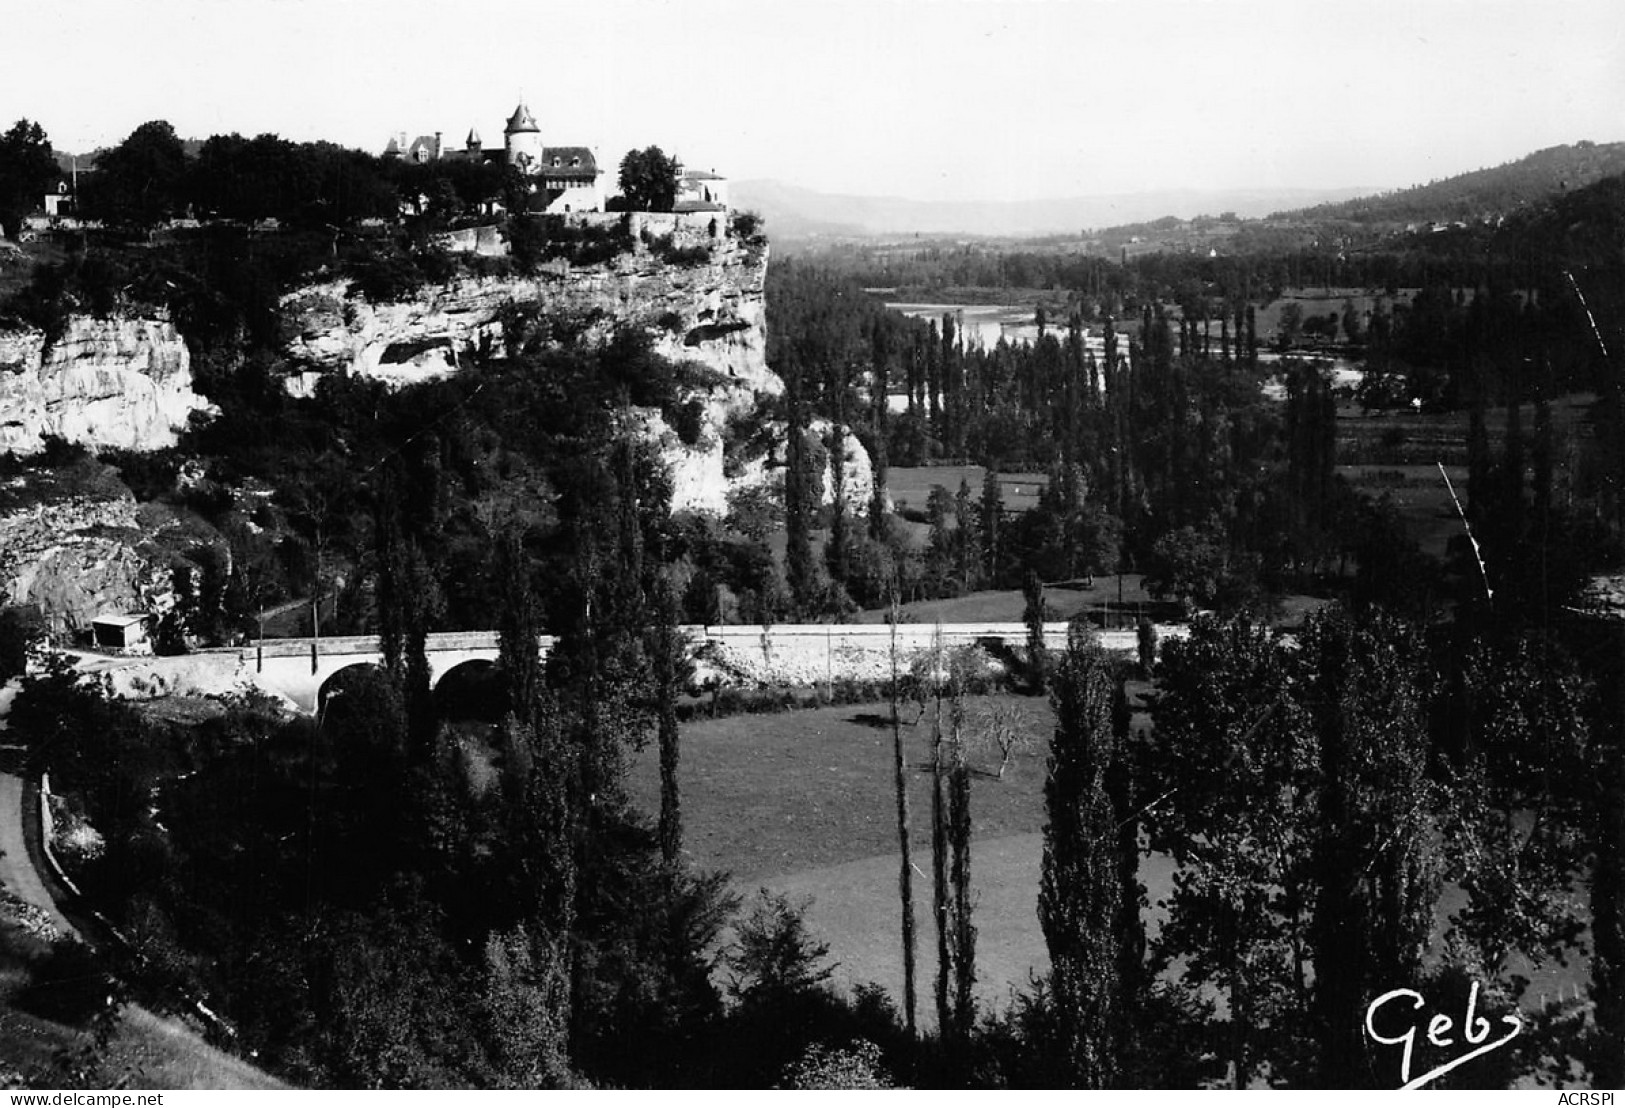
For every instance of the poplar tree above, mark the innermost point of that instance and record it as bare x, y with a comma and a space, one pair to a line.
880, 424
798, 567
990, 517
1375, 860
1122, 788
905, 872
1032, 590
967, 538
951, 847
1311, 434
933, 383
939, 844
837, 551
961, 904
671, 668
407, 600
1081, 893
519, 630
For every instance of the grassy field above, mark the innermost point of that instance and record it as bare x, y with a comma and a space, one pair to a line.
802, 803
1319, 300
1421, 497
773, 795
910, 487
1009, 606
1398, 453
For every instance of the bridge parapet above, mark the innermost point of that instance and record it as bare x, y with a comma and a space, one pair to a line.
349, 645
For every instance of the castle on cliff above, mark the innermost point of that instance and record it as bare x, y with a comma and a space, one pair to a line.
563, 178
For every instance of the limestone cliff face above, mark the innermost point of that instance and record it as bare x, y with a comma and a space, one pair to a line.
712, 314
115, 382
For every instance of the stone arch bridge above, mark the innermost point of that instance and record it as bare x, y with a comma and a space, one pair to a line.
781, 655
301, 669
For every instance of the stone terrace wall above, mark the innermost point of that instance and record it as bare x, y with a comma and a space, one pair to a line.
804, 655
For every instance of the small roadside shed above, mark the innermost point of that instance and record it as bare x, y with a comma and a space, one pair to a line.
120, 631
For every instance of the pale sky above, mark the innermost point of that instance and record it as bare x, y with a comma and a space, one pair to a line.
928, 99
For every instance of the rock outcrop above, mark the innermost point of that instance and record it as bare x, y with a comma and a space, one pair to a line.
116, 382
709, 313
767, 471
76, 551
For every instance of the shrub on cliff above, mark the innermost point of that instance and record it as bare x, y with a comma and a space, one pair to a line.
385, 277
666, 248
747, 227
534, 239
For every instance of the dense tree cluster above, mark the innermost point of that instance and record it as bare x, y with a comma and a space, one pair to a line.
28, 170
1318, 793
648, 180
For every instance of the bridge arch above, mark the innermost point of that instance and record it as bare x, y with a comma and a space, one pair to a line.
335, 681
471, 689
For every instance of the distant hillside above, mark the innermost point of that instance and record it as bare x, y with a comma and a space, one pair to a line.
794, 212
1483, 193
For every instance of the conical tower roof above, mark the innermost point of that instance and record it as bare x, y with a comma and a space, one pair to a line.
521, 120
473, 139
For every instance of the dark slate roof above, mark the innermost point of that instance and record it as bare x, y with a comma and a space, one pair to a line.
585, 164
702, 175
460, 155
521, 120
393, 149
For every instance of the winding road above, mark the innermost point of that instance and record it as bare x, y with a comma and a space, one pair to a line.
17, 872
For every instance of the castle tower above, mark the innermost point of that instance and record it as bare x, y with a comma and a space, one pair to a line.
522, 140
473, 144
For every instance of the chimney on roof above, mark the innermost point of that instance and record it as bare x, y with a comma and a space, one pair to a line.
437, 146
